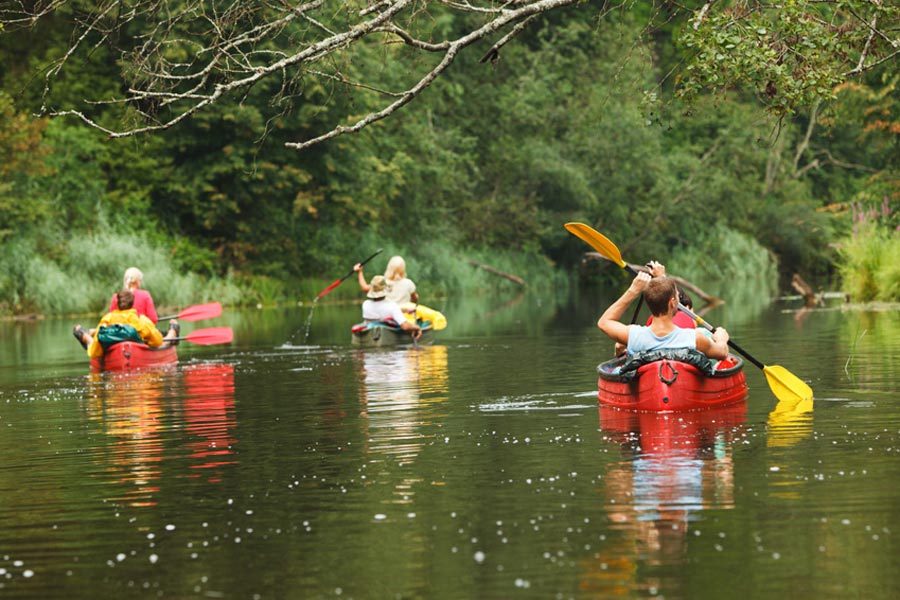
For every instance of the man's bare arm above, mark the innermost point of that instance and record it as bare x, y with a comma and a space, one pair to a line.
717, 347
609, 322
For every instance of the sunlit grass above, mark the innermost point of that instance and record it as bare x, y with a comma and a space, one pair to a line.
86, 270
870, 265
730, 265
81, 274
440, 270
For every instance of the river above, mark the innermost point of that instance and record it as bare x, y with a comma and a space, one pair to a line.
480, 466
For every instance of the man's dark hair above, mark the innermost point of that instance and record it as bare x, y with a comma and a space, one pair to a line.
658, 293
125, 299
684, 298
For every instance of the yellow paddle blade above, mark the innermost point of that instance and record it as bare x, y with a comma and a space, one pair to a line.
785, 385
597, 241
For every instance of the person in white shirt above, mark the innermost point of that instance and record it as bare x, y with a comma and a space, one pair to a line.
379, 308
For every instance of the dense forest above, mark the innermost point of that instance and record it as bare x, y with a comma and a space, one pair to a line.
664, 135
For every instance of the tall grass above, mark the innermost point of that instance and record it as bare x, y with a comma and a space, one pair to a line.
83, 272
870, 264
439, 269
80, 274
729, 264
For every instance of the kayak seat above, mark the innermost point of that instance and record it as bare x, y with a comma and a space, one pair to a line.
625, 369
388, 324
109, 335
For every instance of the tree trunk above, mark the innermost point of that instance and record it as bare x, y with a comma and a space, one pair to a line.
498, 272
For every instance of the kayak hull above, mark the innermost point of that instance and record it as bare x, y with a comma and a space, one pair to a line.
673, 386
126, 356
377, 334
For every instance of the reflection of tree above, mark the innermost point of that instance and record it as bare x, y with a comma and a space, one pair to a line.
398, 390
677, 465
871, 347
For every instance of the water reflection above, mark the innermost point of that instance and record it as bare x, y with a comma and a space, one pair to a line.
399, 393
676, 466
154, 417
129, 409
209, 417
789, 423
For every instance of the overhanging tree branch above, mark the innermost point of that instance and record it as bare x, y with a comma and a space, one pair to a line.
178, 58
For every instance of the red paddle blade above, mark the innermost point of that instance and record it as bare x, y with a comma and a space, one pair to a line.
210, 336
336, 283
199, 312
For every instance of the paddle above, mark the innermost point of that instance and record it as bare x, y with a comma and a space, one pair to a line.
198, 312
338, 282
208, 336
784, 384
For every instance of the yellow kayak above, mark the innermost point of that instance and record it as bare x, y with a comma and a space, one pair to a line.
420, 312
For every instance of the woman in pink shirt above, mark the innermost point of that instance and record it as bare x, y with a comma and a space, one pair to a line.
143, 302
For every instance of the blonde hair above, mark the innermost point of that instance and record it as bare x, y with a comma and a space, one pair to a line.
396, 269
133, 275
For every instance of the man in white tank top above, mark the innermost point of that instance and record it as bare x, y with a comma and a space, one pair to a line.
661, 297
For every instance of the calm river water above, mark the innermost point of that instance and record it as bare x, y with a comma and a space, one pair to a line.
479, 467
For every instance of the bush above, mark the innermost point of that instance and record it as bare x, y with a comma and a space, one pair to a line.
90, 270
869, 268
724, 255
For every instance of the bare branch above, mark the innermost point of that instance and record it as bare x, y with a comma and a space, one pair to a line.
870, 66
701, 14
865, 50
453, 49
178, 60
405, 98
415, 43
494, 53
801, 148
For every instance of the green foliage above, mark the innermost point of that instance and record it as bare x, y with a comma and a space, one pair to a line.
869, 266
90, 271
77, 182
721, 255
485, 165
21, 157
791, 54
261, 290
442, 269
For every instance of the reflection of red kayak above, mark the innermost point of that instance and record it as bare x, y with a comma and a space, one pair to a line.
664, 434
209, 416
125, 356
670, 385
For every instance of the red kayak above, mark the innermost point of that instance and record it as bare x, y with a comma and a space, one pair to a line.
671, 385
125, 356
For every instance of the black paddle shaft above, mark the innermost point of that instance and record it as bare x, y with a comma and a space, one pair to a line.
709, 327
352, 271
